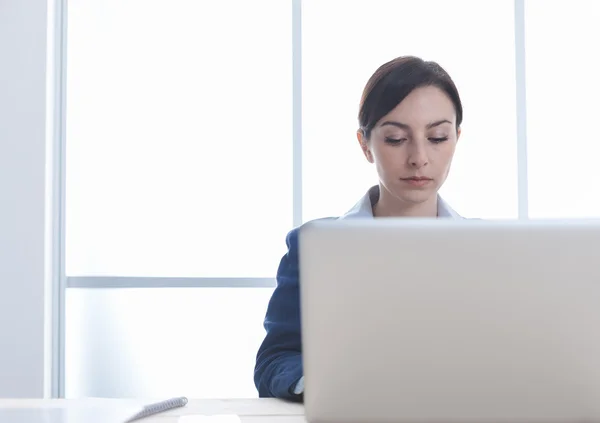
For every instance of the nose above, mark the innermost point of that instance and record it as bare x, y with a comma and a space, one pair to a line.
417, 155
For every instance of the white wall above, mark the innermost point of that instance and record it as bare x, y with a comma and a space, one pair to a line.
22, 198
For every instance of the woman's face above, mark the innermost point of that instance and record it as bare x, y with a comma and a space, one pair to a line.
413, 145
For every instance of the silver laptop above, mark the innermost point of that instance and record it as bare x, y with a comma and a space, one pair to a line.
427, 321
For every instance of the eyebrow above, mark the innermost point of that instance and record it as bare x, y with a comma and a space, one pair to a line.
405, 126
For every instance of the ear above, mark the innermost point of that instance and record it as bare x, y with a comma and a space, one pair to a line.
364, 145
458, 132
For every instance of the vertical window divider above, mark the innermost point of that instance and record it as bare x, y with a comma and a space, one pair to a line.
521, 107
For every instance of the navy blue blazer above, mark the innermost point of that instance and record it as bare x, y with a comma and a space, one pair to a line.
279, 360
278, 372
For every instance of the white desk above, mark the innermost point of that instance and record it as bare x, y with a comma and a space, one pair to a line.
248, 410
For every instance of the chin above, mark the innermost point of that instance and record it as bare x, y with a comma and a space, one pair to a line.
415, 196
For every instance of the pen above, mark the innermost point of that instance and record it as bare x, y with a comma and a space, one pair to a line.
159, 407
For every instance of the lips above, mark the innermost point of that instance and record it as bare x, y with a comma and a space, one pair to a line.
417, 181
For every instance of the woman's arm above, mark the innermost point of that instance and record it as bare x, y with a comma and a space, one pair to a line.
279, 360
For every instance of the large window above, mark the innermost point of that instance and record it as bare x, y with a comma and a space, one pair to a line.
178, 137
198, 133
179, 165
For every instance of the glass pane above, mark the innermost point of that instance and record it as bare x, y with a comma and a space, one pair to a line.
178, 137
155, 343
343, 44
562, 107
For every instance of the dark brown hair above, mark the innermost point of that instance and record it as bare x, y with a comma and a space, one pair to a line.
396, 79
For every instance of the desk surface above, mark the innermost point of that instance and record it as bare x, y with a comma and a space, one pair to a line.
248, 410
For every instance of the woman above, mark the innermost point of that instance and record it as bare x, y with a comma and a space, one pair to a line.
410, 115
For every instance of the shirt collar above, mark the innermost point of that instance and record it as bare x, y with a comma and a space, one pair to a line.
364, 206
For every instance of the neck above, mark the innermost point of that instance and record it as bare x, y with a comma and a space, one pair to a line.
390, 206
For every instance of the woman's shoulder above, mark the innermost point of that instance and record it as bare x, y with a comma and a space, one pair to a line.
287, 273
292, 236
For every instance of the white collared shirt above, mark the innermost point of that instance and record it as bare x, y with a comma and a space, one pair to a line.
364, 206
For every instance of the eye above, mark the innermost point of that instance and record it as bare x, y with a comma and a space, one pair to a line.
394, 141
438, 140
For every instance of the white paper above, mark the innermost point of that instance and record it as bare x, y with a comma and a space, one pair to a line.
217, 418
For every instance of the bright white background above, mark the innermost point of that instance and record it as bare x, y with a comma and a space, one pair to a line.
563, 94
178, 127
164, 342
179, 156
